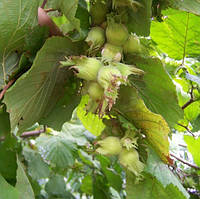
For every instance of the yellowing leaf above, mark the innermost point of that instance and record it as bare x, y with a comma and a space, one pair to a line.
153, 125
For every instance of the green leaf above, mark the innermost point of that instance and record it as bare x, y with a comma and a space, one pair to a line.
10, 65
114, 179
8, 191
75, 132
57, 149
150, 188
158, 169
56, 185
139, 19
192, 6
100, 189
153, 125
195, 124
37, 168
180, 31
23, 185
90, 121
17, 19
4, 122
86, 185
157, 89
64, 108
37, 91
35, 39
8, 165
68, 8
193, 147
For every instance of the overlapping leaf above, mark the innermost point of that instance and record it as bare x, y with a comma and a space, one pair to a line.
57, 149
7, 191
17, 19
139, 19
90, 121
37, 168
192, 6
178, 34
157, 89
69, 8
153, 125
23, 185
158, 169
151, 188
193, 147
36, 92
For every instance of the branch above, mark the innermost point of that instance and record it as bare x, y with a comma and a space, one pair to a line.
43, 4
32, 133
191, 99
185, 162
49, 10
6, 87
187, 129
28, 134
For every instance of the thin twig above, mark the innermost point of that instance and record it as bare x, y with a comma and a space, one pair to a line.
28, 134
49, 10
43, 4
33, 133
191, 99
185, 162
187, 129
6, 87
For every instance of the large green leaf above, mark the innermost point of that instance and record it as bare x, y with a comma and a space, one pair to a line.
68, 8
90, 121
23, 185
192, 6
178, 34
193, 147
57, 149
7, 191
158, 169
8, 165
157, 89
139, 20
56, 185
37, 168
4, 122
63, 109
37, 91
86, 185
153, 125
17, 19
75, 131
151, 188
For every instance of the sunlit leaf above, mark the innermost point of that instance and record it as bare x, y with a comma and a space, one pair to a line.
178, 34
193, 147
153, 125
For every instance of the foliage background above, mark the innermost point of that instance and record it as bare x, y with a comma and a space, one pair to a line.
61, 162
